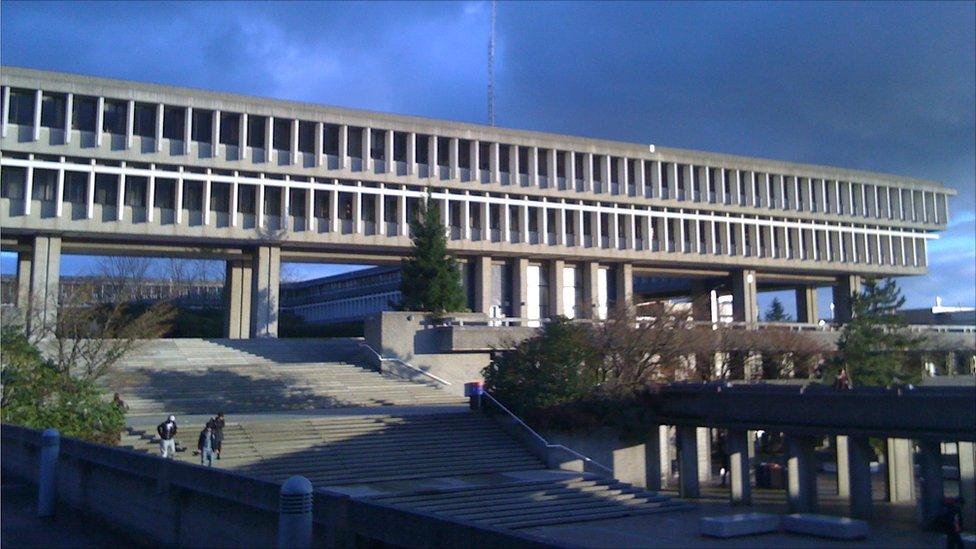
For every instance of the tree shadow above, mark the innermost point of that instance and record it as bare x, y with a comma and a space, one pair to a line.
295, 350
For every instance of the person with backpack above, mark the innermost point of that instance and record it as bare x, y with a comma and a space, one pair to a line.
167, 433
218, 423
205, 444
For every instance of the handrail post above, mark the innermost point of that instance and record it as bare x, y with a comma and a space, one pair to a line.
295, 514
47, 476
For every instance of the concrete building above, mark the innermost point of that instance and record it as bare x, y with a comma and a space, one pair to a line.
546, 224
344, 297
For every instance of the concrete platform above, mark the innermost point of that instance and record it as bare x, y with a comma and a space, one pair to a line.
739, 524
825, 526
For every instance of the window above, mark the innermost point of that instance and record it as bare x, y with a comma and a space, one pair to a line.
377, 145
306, 137
75, 187
144, 121
52, 111
272, 200
114, 115
282, 134
106, 189
230, 128
21, 107
13, 183
193, 195
354, 146
135, 191
174, 120
83, 114
330, 139
202, 129
255, 131
246, 199
165, 194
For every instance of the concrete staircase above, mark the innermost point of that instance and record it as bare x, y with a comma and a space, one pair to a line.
197, 376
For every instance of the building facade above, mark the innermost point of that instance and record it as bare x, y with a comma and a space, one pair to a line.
545, 224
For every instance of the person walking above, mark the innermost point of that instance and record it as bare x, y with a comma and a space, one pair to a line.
218, 423
119, 403
205, 444
167, 431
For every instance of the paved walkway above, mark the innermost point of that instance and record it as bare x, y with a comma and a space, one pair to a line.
195, 422
21, 527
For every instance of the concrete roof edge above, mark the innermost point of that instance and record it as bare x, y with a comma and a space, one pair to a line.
640, 150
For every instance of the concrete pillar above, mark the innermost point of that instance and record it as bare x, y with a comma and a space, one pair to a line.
664, 432
556, 305
264, 291
653, 458
967, 480
687, 462
520, 287
932, 493
482, 284
900, 462
625, 286
806, 304
858, 468
847, 286
704, 435
802, 474
237, 300
843, 466
45, 282
589, 274
737, 445
701, 301
744, 299
23, 281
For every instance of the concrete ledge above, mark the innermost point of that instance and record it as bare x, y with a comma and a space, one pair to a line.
741, 524
825, 526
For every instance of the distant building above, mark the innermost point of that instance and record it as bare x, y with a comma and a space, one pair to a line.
346, 297
941, 315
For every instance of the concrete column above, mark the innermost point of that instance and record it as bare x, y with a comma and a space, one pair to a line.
744, 304
967, 480
520, 287
561, 224
404, 225
806, 304
858, 468
569, 169
343, 147
841, 446
494, 163
704, 435
130, 109
242, 142
802, 474
847, 286
556, 305
738, 443
589, 274
294, 142
452, 159
433, 171
411, 153
45, 272
264, 291
23, 283
482, 284
390, 162
99, 120
474, 159
701, 301
318, 143
664, 432
687, 462
932, 494
367, 135
514, 177
625, 285
653, 458
901, 464
6, 111
237, 300
357, 212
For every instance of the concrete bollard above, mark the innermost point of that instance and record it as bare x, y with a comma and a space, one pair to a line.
295, 514
47, 477
473, 391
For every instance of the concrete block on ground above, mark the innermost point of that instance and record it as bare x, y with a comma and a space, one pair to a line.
825, 526
740, 524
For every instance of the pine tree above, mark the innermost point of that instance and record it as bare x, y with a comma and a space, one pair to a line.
874, 346
430, 280
776, 312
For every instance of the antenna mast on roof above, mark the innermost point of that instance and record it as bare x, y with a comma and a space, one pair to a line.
491, 67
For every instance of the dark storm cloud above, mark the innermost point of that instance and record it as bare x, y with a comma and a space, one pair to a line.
888, 87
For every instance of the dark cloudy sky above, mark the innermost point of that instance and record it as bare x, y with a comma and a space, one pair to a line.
886, 87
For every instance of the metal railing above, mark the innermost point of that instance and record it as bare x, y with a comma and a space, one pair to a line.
543, 441
406, 364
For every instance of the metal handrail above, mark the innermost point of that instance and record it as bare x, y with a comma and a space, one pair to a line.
405, 363
545, 442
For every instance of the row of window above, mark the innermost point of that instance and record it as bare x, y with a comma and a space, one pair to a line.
483, 161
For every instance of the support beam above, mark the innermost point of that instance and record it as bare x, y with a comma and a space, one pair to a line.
625, 286
932, 493
704, 445
237, 300
901, 465
45, 282
653, 458
589, 273
520, 288
264, 292
482, 284
24, 262
967, 480
842, 448
687, 462
802, 474
745, 307
847, 286
859, 454
806, 304
740, 490
557, 307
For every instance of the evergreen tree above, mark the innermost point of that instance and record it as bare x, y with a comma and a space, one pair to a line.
873, 347
430, 280
776, 313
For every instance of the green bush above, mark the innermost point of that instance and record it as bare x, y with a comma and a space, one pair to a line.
37, 395
557, 366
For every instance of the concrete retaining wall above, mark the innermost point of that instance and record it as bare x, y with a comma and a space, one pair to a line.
169, 503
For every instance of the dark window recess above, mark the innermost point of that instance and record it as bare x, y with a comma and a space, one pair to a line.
330, 139
422, 148
83, 113
202, 130
377, 145
464, 154
355, 142
52, 111
106, 189
322, 204
614, 169
21, 108
368, 206
543, 162
560, 164
135, 191
255, 132
578, 172
503, 152
399, 147
443, 151
220, 197
246, 198
272, 201
45, 183
390, 209
174, 120
12, 186
306, 137
523, 160
193, 195
75, 187
484, 156
113, 120
165, 194
282, 134
296, 202
144, 121
230, 128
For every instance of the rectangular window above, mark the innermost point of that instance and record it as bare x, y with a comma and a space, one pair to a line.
174, 120
52, 111
165, 194
75, 187
21, 107
282, 134
202, 130
220, 197
306, 137
83, 113
246, 198
193, 195
144, 121
12, 186
106, 189
135, 191
330, 139
255, 132
230, 128
354, 147
114, 116
377, 144
272, 201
